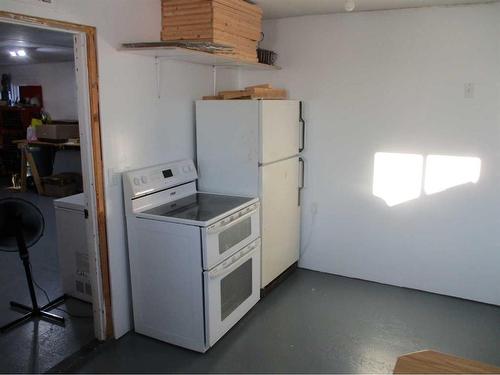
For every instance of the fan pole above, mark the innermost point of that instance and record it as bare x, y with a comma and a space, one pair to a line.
25, 257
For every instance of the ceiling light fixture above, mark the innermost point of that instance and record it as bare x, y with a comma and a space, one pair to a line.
18, 53
350, 5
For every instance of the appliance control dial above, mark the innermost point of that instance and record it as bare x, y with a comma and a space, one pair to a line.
144, 179
137, 182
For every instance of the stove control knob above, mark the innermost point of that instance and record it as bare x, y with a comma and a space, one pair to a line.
144, 179
137, 182
185, 169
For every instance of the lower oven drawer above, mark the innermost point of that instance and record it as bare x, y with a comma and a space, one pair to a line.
226, 237
231, 290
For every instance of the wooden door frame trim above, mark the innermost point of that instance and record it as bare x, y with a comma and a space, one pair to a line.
95, 124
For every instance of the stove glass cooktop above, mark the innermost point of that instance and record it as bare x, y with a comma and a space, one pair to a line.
199, 207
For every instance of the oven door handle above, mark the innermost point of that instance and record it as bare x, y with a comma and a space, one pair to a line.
222, 271
217, 228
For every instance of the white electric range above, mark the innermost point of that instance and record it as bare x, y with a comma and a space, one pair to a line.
194, 257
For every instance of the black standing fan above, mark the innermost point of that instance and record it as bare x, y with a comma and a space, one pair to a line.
21, 226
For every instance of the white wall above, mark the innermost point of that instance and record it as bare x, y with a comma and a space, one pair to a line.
138, 129
58, 86
394, 81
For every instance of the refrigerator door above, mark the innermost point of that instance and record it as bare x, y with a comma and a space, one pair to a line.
280, 220
227, 137
279, 130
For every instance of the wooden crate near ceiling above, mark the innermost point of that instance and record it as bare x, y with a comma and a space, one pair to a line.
235, 23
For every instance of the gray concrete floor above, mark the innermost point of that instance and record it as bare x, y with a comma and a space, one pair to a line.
321, 323
38, 346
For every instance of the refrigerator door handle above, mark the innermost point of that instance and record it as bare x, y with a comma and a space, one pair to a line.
303, 127
302, 178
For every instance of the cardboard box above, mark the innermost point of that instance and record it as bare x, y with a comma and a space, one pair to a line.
57, 133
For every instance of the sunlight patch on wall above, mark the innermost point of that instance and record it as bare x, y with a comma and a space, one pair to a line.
397, 177
444, 172
400, 178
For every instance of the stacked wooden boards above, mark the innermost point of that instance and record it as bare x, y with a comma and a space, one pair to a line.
264, 91
234, 23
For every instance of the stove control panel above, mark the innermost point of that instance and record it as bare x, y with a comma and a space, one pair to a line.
160, 177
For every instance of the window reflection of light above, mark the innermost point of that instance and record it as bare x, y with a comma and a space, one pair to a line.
443, 172
397, 177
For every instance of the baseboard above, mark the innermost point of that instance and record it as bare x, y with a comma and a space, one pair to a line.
277, 281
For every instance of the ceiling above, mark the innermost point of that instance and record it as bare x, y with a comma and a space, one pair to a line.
292, 8
41, 46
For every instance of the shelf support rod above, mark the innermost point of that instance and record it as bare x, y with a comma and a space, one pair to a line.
214, 78
158, 76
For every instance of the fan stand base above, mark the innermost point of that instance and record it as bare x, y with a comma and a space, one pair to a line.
33, 313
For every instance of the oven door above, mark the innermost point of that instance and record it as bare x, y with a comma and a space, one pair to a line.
231, 290
229, 235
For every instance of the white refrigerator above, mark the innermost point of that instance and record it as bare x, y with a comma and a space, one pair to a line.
251, 148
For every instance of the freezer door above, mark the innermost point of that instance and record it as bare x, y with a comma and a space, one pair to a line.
227, 137
280, 218
280, 130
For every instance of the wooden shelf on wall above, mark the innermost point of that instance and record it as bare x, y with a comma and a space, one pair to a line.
192, 56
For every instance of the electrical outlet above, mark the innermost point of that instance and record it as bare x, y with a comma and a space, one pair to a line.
114, 177
469, 89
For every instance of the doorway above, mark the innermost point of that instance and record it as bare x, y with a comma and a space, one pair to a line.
51, 81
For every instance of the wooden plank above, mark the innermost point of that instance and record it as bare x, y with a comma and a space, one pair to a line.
93, 76
213, 97
232, 22
207, 36
241, 6
185, 4
250, 18
34, 169
235, 94
222, 16
188, 16
262, 93
179, 11
237, 29
261, 86
171, 3
431, 362
240, 57
186, 20
234, 40
200, 27
24, 169
187, 11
